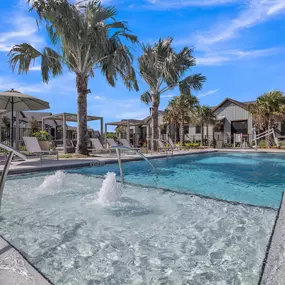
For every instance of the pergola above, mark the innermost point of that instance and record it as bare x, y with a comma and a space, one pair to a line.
69, 117
128, 123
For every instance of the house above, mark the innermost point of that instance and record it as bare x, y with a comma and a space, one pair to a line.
233, 117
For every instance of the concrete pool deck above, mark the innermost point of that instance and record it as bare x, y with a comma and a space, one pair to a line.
35, 165
15, 269
274, 265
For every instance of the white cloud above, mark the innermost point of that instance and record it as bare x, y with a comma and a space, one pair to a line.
217, 58
35, 68
97, 97
19, 29
177, 4
167, 96
110, 108
62, 85
210, 92
256, 12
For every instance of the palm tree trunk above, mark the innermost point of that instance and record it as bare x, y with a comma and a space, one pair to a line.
154, 117
202, 134
82, 130
182, 131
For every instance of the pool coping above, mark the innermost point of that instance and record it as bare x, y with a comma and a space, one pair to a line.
273, 268
8, 250
100, 161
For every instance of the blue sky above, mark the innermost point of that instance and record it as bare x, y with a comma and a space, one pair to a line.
239, 46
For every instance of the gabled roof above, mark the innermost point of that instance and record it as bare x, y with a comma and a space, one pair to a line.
160, 112
243, 105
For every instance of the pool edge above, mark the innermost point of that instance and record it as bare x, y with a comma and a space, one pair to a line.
273, 266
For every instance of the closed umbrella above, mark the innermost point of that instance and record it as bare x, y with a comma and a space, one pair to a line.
13, 100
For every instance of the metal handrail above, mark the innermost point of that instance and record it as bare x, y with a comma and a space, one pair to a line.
265, 134
5, 171
118, 151
150, 139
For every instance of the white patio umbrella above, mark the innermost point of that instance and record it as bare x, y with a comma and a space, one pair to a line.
13, 100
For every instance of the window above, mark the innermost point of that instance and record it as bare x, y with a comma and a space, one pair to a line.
219, 127
239, 127
198, 129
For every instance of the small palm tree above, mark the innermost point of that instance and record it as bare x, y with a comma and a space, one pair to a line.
180, 110
205, 115
162, 68
85, 37
268, 110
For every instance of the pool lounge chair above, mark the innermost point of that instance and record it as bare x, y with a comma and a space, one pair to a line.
97, 146
173, 146
70, 148
125, 143
111, 143
33, 146
162, 146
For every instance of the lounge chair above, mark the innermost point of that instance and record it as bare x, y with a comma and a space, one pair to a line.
125, 143
33, 146
111, 142
173, 146
97, 146
162, 146
70, 148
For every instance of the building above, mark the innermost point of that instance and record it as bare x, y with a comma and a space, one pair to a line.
233, 118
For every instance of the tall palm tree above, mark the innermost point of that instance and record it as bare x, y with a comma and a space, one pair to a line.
268, 110
205, 115
180, 110
86, 36
162, 68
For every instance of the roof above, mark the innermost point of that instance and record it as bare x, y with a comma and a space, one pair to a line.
69, 117
243, 105
131, 122
160, 112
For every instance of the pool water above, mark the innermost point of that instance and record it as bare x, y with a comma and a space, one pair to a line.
149, 236
257, 179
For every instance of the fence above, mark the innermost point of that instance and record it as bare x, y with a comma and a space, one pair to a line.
5, 135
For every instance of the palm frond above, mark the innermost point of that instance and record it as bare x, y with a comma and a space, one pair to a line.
146, 98
23, 56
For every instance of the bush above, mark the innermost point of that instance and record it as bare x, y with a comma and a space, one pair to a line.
42, 136
192, 145
262, 144
111, 136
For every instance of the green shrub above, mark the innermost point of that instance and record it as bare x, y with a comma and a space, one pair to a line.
111, 136
262, 144
42, 136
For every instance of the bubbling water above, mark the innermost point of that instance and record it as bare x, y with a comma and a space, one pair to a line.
111, 190
57, 180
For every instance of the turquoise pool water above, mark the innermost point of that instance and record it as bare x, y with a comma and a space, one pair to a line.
257, 179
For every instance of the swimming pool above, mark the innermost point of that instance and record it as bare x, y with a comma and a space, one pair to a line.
252, 178
149, 236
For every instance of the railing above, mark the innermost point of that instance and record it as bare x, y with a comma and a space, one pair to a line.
267, 133
4, 174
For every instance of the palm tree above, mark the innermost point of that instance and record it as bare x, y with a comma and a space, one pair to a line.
268, 110
85, 37
162, 68
205, 115
180, 110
